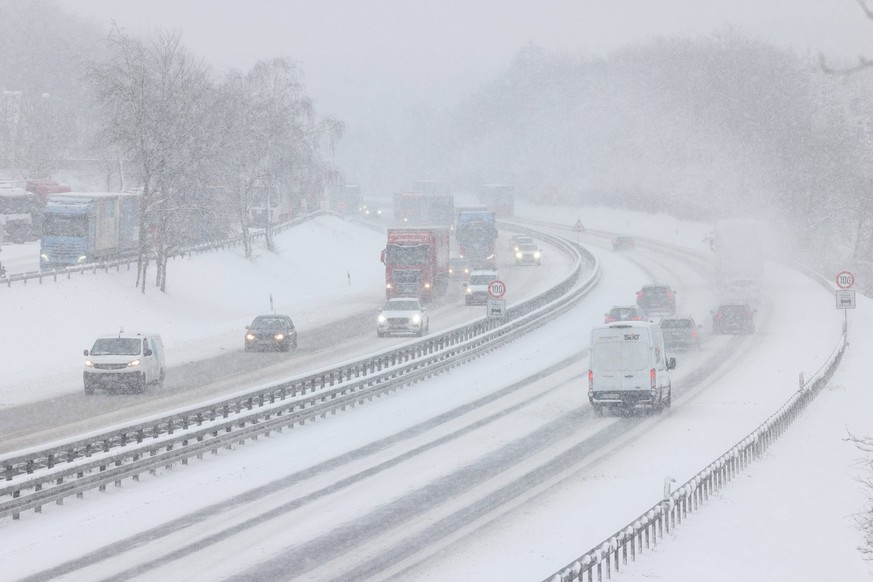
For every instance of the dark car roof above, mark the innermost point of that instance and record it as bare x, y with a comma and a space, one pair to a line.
271, 321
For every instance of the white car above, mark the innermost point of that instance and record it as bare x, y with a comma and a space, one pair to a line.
476, 287
402, 316
528, 254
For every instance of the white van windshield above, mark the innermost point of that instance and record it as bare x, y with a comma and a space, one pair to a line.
116, 346
615, 357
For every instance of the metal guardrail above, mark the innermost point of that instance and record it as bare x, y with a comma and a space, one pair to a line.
128, 260
644, 531
52, 473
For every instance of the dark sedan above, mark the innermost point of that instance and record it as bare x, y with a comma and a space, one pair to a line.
271, 332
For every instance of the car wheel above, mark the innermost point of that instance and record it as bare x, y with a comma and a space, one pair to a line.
598, 409
668, 401
380, 334
247, 348
89, 388
141, 385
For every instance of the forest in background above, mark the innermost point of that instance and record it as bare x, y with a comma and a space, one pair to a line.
702, 128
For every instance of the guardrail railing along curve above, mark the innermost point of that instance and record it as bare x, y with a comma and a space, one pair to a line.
42, 475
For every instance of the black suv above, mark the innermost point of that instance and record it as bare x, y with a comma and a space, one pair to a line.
733, 318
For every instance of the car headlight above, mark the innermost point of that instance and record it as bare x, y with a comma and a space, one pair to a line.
518, 255
89, 364
134, 363
416, 318
279, 337
44, 258
469, 291
82, 259
250, 337
381, 319
537, 255
427, 285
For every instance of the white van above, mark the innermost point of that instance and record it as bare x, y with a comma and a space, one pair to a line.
628, 367
125, 360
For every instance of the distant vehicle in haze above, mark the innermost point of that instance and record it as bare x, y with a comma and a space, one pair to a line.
623, 243
459, 268
528, 254
518, 239
476, 287
657, 300
680, 333
733, 319
498, 197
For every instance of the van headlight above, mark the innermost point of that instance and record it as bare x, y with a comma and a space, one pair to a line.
279, 337
134, 363
250, 337
416, 318
89, 364
381, 318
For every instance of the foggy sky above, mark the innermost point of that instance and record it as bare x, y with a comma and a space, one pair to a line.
360, 57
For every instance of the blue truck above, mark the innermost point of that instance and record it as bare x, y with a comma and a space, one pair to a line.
476, 235
88, 227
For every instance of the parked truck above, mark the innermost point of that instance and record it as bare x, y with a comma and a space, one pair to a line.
87, 227
476, 235
416, 262
419, 209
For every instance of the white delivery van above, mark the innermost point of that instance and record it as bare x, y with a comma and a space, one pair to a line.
125, 360
628, 367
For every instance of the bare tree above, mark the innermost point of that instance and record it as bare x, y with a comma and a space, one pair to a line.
155, 95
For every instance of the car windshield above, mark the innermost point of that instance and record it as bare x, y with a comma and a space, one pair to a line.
481, 279
676, 323
116, 346
528, 247
404, 305
621, 356
734, 309
269, 323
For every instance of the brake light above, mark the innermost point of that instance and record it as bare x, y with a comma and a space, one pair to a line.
669, 295
652, 376
590, 380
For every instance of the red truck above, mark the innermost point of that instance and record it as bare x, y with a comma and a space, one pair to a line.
416, 262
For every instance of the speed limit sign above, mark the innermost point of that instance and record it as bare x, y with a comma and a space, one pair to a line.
845, 279
496, 288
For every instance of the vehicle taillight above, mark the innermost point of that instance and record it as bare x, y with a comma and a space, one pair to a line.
590, 380
652, 376
669, 295
639, 295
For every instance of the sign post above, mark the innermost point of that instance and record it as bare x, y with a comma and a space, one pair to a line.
845, 296
577, 228
495, 306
